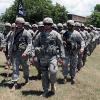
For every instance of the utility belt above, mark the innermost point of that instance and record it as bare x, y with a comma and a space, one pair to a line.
20, 47
46, 51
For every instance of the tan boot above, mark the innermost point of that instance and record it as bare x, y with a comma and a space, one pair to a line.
53, 88
65, 79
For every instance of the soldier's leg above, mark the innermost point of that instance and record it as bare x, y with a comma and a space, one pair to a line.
73, 65
25, 67
44, 76
15, 64
45, 81
37, 65
84, 56
65, 68
80, 62
53, 68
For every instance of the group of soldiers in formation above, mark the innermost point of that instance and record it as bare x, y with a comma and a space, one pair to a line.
47, 46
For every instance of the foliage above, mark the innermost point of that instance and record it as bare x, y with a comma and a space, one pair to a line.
95, 16
36, 10
97, 8
95, 19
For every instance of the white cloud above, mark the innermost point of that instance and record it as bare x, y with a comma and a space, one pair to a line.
5, 4
79, 7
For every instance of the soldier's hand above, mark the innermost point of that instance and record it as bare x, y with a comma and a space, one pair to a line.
81, 51
61, 61
24, 56
64, 42
31, 61
1, 49
8, 56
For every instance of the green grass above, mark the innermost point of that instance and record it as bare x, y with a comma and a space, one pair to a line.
87, 85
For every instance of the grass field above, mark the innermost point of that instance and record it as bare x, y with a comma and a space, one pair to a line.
87, 85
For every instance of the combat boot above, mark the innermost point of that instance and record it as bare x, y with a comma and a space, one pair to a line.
65, 79
26, 80
44, 94
72, 81
53, 88
39, 76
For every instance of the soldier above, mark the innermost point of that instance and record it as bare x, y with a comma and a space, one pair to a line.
64, 26
19, 49
7, 43
54, 27
85, 37
60, 27
5, 48
79, 63
90, 31
46, 44
7, 29
27, 26
35, 29
73, 45
36, 61
1, 41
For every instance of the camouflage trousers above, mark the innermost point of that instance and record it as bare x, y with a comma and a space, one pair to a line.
17, 61
70, 65
49, 71
37, 65
80, 61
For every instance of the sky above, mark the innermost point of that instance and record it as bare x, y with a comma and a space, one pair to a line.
78, 7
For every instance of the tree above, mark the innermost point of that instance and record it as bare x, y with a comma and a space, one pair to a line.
95, 19
36, 10
97, 8
95, 16
59, 13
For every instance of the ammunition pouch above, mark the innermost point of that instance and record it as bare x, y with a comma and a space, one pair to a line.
52, 50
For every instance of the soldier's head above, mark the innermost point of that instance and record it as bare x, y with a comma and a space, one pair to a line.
54, 27
27, 25
91, 27
7, 27
48, 22
86, 28
82, 27
77, 26
40, 26
60, 26
13, 26
70, 25
34, 27
20, 22
65, 26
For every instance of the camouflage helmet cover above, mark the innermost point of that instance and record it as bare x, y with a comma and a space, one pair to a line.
20, 20
8, 24
71, 22
48, 20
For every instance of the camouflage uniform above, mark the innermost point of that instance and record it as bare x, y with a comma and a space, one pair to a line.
1, 40
73, 44
46, 44
19, 44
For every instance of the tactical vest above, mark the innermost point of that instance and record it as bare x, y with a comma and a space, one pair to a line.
71, 43
48, 44
20, 42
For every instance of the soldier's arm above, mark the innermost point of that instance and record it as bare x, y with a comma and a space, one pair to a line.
29, 46
81, 40
36, 44
61, 46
